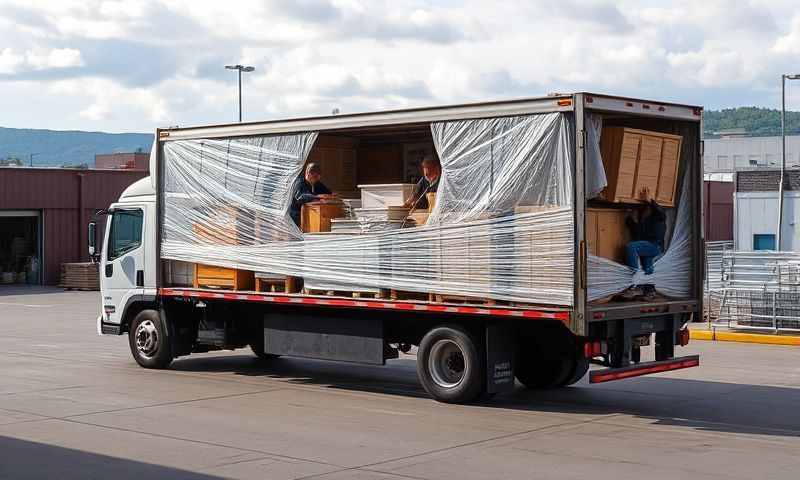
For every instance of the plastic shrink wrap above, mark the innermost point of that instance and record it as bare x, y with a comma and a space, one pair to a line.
502, 226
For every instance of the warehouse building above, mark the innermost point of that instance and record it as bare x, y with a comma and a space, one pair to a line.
129, 161
756, 210
44, 213
736, 153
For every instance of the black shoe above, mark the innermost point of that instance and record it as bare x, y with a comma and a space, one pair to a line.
631, 293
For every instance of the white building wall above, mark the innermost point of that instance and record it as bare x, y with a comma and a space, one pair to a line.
732, 154
757, 213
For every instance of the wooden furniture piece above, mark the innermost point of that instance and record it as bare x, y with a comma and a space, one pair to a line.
635, 159
316, 216
268, 282
606, 233
208, 276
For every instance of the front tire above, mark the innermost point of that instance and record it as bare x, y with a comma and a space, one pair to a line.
450, 365
149, 341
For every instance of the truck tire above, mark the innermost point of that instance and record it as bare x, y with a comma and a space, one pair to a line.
548, 359
450, 365
581, 367
257, 342
149, 341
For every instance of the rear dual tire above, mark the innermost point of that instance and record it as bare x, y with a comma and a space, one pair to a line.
549, 358
451, 365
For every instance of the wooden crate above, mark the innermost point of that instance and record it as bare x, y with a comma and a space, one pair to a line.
220, 277
606, 233
316, 217
635, 159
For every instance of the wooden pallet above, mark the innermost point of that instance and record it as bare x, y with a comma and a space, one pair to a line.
461, 299
341, 293
80, 276
406, 295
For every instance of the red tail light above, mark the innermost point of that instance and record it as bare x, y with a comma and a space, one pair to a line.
594, 349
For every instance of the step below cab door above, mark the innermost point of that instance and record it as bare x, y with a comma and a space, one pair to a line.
122, 266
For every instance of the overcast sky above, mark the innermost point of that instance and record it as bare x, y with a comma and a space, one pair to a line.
135, 65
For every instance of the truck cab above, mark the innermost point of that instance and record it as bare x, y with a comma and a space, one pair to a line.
127, 257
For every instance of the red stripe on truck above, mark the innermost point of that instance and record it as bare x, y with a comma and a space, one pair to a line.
386, 305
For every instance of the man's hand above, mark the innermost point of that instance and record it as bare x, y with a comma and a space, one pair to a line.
646, 195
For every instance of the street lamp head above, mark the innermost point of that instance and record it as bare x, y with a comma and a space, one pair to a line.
793, 77
241, 68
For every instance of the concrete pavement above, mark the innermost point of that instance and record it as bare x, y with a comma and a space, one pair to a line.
75, 405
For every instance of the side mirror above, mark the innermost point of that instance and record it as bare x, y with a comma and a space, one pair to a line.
92, 238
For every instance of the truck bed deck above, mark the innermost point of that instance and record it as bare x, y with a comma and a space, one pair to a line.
532, 312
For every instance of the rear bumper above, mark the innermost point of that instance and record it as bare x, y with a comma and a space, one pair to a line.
610, 374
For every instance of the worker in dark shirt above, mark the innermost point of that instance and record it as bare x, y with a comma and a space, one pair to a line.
429, 183
308, 188
647, 233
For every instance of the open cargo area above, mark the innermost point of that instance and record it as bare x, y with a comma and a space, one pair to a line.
500, 229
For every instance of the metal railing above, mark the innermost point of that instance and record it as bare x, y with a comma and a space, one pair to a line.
759, 290
713, 286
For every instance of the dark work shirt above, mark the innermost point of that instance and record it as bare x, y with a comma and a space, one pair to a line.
653, 228
302, 193
423, 187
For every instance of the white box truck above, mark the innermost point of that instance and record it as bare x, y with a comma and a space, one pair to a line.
512, 288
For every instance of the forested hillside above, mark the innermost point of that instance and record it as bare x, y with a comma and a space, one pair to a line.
755, 121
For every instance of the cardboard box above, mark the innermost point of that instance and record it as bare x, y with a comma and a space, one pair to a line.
606, 233
635, 159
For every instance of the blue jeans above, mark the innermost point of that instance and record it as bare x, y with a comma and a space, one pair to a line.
645, 250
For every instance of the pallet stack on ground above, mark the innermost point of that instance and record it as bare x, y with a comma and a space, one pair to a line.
80, 276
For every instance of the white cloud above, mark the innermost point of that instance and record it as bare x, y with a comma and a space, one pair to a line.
136, 64
38, 59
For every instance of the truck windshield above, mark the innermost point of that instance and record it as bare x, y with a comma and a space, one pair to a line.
126, 232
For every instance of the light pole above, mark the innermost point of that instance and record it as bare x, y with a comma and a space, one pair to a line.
240, 68
784, 77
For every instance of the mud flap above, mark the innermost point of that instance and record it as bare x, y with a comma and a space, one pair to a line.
500, 347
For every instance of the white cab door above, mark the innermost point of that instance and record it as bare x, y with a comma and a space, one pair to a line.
122, 267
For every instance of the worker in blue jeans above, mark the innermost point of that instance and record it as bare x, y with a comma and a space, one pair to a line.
647, 232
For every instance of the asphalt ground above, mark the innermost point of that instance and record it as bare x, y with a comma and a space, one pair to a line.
75, 405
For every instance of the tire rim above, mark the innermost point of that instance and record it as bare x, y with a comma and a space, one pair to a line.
446, 364
147, 339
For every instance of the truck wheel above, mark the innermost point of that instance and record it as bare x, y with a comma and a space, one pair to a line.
148, 340
581, 367
257, 343
537, 370
547, 359
450, 365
